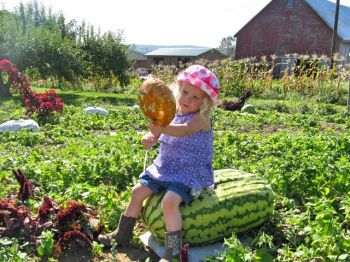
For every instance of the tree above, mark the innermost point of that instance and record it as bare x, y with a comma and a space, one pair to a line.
5, 86
228, 46
7, 27
108, 55
34, 38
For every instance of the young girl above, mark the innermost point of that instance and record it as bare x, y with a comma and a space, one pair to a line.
184, 164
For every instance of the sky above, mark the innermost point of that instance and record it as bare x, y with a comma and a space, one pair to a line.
160, 22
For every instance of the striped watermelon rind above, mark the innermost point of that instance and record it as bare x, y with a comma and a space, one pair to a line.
239, 202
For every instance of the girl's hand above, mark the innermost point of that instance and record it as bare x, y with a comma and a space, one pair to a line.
148, 140
156, 130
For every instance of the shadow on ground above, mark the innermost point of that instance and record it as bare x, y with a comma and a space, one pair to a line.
77, 99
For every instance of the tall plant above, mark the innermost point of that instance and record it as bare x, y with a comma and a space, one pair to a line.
41, 103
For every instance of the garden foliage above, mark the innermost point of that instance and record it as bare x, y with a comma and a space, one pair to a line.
301, 147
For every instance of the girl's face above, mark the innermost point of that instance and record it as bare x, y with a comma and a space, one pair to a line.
190, 98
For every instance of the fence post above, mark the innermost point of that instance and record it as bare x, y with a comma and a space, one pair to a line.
335, 32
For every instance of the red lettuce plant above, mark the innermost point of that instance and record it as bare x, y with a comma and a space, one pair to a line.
72, 223
43, 104
48, 209
63, 241
26, 187
184, 253
69, 215
15, 220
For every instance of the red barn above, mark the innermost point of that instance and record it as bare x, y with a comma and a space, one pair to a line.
295, 26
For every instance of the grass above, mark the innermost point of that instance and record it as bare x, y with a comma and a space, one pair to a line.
78, 97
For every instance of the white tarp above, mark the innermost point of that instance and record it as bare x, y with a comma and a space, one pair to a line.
95, 109
16, 125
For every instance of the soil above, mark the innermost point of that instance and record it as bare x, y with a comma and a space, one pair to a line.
76, 253
131, 254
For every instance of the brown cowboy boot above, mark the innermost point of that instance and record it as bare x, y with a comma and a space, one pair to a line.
173, 245
122, 235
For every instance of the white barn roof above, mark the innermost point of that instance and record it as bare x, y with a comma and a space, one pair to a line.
191, 52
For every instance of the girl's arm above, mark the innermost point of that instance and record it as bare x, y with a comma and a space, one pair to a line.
195, 124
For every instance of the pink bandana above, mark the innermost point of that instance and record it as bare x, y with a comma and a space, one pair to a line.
202, 78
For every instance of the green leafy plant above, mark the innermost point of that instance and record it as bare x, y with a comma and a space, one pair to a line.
237, 252
46, 244
10, 250
97, 248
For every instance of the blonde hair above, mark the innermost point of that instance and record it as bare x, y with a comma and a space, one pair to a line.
206, 107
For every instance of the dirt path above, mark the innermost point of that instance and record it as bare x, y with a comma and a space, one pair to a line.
78, 254
132, 254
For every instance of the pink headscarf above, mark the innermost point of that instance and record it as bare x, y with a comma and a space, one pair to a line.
202, 78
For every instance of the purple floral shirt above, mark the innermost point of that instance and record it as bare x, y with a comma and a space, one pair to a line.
186, 159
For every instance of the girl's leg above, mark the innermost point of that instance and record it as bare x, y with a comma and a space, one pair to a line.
171, 210
138, 194
173, 223
123, 234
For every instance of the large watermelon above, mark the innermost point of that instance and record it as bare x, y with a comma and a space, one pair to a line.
239, 202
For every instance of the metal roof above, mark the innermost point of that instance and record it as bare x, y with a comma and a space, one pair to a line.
326, 10
191, 52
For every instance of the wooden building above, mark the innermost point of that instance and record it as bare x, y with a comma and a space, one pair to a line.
138, 59
295, 27
175, 56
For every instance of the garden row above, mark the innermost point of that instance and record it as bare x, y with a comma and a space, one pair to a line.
302, 148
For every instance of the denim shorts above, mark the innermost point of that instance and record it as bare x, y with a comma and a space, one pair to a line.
185, 192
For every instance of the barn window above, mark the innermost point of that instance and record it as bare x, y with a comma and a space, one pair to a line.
290, 3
